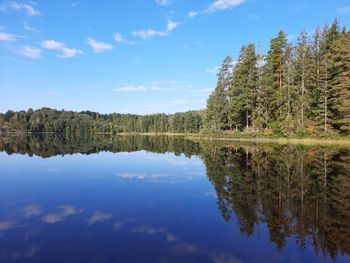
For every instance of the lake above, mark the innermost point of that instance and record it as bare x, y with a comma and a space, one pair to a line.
168, 199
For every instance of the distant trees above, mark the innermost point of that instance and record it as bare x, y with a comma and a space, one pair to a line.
69, 122
294, 89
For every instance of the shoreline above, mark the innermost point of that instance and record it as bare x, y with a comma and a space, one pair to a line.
228, 137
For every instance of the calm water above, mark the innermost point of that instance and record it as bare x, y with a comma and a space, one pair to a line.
160, 199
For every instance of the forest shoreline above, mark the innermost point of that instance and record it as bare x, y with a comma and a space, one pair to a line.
336, 140
228, 137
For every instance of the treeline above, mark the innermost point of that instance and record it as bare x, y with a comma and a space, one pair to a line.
293, 89
61, 121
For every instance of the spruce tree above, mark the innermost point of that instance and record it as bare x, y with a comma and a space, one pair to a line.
218, 100
340, 55
303, 73
274, 73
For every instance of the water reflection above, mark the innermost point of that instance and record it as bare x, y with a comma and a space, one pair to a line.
282, 203
297, 192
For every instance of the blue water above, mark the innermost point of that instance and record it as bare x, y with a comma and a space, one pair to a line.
125, 207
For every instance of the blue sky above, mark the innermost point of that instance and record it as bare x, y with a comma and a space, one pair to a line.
137, 56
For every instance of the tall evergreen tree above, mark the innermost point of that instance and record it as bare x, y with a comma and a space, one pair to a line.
340, 55
245, 84
274, 77
303, 73
218, 100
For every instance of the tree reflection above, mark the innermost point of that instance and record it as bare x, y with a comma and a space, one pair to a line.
296, 191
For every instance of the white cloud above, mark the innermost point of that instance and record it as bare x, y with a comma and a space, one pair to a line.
213, 70
27, 27
345, 10
56, 45
7, 37
192, 14
145, 34
163, 2
99, 47
120, 39
171, 26
218, 5
98, 217
27, 8
224, 4
130, 88
30, 52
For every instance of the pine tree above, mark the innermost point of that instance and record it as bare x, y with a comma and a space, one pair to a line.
303, 72
244, 87
340, 56
218, 100
274, 73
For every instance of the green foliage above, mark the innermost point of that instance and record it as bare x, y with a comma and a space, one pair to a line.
292, 90
68, 122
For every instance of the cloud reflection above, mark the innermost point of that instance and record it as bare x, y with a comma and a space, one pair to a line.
66, 210
31, 210
98, 217
6, 225
144, 229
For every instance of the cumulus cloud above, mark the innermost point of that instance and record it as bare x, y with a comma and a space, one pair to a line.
30, 52
192, 14
56, 45
98, 217
163, 2
120, 39
7, 37
171, 25
130, 88
99, 47
26, 8
224, 4
217, 6
149, 33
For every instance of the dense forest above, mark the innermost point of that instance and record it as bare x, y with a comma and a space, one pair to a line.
295, 89
50, 120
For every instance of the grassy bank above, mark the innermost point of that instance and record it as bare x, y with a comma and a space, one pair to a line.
259, 138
